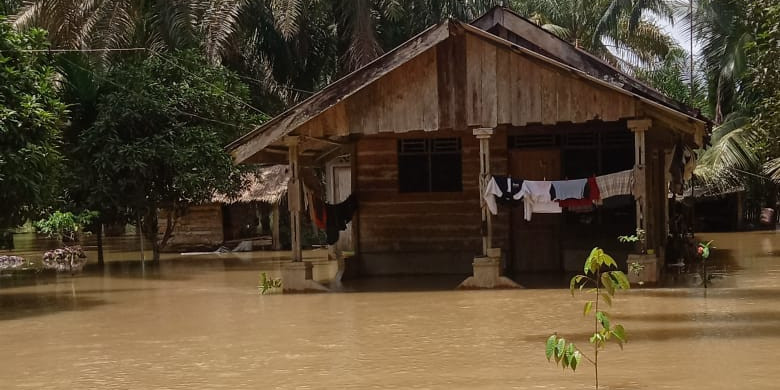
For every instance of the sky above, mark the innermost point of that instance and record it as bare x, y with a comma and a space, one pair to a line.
680, 34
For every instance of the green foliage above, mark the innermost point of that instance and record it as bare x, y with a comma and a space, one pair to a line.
31, 118
604, 285
65, 225
267, 284
157, 139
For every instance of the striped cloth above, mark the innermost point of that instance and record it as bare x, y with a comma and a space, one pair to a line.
615, 184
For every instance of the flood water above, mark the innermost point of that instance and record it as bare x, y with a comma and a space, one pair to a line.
197, 322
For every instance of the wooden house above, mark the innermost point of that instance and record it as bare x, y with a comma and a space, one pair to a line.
424, 123
252, 215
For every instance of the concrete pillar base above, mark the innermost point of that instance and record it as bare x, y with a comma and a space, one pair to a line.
487, 273
650, 272
324, 270
296, 280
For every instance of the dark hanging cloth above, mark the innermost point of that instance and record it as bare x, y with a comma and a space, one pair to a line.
509, 188
677, 169
338, 216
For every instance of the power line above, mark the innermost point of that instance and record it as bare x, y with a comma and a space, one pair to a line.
261, 82
238, 99
150, 100
73, 50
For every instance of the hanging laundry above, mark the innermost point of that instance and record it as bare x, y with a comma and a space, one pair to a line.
316, 208
504, 190
537, 199
338, 216
689, 163
584, 205
615, 184
569, 189
677, 169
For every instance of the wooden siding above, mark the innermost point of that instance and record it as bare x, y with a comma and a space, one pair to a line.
466, 82
200, 228
422, 222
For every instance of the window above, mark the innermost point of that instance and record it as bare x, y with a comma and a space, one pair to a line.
430, 165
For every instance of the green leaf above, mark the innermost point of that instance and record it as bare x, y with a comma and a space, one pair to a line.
607, 282
559, 348
587, 308
575, 360
607, 298
621, 279
603, 318
568, 355
608, 260
574, 281
620, 333
550, 347
587, 264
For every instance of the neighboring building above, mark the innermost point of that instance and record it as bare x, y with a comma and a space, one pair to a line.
251, 216
412, 122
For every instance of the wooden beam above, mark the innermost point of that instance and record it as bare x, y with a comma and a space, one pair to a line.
246, 146
294, 197
483, 135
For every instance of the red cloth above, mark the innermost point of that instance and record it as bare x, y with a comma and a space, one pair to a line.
593, 195
317, 211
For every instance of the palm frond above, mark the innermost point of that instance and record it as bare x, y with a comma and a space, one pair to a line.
772, 168
560, 31
286, 15
363, 47
220, 24
734, 145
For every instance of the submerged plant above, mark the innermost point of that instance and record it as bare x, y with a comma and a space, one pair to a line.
65, 226
604, 285
636, 268
266, 283
638, 239
703, 251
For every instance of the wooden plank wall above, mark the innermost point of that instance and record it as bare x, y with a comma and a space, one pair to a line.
397, 223
200, 228
467, 81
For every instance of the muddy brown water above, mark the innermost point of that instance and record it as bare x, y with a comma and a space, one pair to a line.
198, 322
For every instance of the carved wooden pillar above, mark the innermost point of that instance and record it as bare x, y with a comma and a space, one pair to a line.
483, 135
639, 127
294, 201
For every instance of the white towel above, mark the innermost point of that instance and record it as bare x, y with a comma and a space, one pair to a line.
536, 199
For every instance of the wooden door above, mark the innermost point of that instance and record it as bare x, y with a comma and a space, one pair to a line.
535, 244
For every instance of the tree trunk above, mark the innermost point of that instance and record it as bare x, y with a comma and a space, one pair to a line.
100, 244
151, 231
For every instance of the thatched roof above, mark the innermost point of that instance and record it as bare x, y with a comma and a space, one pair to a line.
266, 184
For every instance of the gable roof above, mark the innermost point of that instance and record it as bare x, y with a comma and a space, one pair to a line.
532, 36
548, 50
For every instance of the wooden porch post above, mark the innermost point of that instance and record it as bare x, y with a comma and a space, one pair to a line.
483, 135
639, 127
275, 243
294, 197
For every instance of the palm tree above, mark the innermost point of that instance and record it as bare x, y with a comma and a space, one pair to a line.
619, 31
116, 24
721, 28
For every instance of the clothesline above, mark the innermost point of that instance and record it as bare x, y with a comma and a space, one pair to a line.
552, 196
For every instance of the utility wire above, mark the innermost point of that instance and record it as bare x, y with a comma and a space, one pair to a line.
73, 50
238, 99
151, 100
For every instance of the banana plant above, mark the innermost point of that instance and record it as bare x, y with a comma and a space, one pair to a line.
603, 285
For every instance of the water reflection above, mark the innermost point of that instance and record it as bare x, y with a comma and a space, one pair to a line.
198, 322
